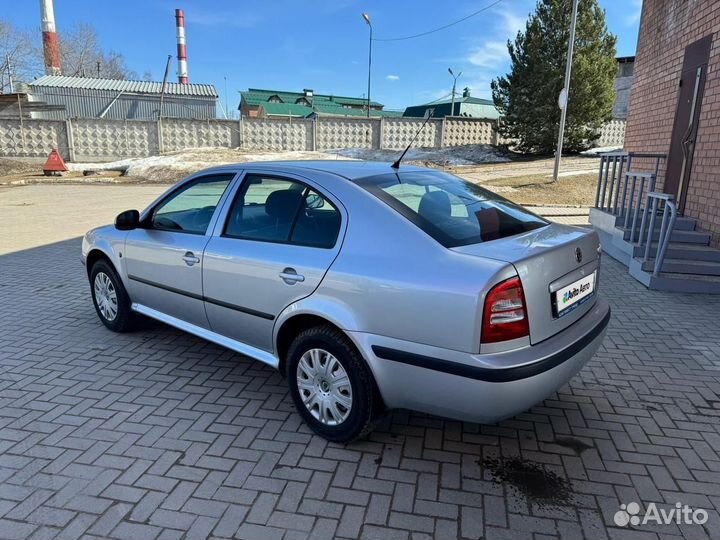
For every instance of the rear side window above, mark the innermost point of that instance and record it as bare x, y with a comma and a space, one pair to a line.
272, 209
454, 212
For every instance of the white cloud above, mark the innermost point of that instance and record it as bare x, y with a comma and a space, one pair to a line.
513, 23
635, 11
392, 77
490, 55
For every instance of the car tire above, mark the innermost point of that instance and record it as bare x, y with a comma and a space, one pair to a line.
327, 395
106, 285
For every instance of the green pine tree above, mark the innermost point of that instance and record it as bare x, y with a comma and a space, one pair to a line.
527, 96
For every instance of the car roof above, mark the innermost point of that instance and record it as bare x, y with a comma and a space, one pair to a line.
349, 169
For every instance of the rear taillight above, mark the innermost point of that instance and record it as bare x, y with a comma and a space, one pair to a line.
504, 313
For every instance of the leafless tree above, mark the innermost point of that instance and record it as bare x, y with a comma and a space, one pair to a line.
17, 47
82, 56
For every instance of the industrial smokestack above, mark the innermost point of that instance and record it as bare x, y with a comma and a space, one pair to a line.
181, 53
51, 49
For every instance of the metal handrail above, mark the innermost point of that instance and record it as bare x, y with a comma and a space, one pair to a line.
613, 182
666, 227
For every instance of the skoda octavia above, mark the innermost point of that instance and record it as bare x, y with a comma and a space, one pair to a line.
367, 286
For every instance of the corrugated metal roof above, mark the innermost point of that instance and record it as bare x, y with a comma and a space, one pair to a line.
255, 96
286, 109
120, 85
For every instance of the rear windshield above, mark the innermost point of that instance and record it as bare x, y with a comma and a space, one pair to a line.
454, 212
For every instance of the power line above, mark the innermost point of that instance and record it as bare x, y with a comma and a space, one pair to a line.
441, 27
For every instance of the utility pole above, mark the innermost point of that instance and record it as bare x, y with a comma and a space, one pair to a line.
164, 85
452, 100
367, 20
563, 98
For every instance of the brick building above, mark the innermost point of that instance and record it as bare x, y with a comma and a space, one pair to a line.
669, 239
675, 103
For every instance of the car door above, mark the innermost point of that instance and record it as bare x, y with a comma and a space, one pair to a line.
275, 245
163, 258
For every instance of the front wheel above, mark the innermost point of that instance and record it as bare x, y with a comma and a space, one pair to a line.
110, 298
331, 384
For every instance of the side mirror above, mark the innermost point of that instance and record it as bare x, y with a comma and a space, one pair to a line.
127, 220
314, 201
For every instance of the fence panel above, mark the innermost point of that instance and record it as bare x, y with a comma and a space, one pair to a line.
612, 134
460, 131
347, 133
182, 133
32, 138
398, 132
265, 134
96, 139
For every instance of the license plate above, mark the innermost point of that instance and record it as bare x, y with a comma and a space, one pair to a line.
568, 298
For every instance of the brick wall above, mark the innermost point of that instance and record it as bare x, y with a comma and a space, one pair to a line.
666, 28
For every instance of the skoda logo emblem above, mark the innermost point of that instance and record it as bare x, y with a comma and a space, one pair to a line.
578, 255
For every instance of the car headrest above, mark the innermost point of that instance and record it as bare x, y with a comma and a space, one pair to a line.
435, 204
283, 204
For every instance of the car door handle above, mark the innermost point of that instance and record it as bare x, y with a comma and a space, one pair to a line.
190, 258
290, 276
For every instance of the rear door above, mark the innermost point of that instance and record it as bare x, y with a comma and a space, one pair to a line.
163, 259
274, 246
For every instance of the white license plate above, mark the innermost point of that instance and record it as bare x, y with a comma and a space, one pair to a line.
574, 294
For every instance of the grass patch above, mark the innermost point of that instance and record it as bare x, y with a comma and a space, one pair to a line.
539, 189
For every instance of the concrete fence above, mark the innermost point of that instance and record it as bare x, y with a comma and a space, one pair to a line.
102, 139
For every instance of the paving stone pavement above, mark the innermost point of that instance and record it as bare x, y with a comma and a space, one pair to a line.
160, 435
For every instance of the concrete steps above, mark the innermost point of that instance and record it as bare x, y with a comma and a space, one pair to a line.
690, 264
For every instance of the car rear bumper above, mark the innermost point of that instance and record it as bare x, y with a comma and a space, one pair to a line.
482, 388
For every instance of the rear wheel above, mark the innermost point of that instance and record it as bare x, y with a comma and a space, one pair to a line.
331, 384
110, 298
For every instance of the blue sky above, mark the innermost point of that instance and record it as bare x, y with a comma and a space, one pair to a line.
292, 44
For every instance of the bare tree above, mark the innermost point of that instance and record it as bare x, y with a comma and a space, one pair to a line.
17, 47
82, 56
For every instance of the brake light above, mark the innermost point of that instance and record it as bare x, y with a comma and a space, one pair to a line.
504, 312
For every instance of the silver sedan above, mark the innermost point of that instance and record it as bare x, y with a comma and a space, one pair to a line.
368, 287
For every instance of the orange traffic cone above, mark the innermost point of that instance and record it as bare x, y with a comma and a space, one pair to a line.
54, 164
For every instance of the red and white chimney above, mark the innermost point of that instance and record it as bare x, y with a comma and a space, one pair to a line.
181, 53
51, 48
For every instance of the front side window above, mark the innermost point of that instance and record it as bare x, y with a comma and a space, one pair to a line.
272, 209
449, 209
191, 208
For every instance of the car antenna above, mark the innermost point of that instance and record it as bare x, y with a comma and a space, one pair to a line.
428, 116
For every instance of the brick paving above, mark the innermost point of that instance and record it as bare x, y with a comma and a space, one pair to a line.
160, 435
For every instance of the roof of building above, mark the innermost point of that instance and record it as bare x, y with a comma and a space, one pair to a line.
258, 96
625, 59
464, 106
121, 85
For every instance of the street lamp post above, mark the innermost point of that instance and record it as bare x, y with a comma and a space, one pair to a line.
563, 99
452, 100
366, 17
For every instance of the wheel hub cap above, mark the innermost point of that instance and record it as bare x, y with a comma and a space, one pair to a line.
105, 296
324, 387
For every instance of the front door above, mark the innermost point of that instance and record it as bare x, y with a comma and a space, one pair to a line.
274, 248
687, 115
163, 259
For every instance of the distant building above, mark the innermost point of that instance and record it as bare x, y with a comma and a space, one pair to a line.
623, 82
306, 104
465, 105
88, 97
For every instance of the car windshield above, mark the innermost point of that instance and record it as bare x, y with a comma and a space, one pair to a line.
454, 212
